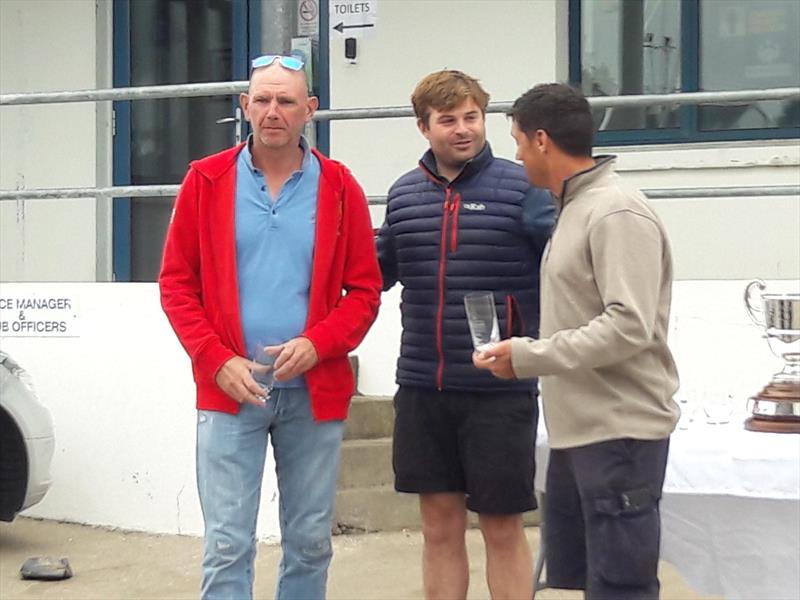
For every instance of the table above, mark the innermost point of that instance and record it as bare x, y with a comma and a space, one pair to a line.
730, 510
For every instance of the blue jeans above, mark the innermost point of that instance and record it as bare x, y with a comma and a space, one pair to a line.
231, 450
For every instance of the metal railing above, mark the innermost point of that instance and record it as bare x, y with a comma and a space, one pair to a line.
157, 192
194, 90
235, 87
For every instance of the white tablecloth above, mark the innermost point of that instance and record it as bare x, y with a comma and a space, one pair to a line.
730, 510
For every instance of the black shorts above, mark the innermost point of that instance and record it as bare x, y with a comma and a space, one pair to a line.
481, 444
602, 525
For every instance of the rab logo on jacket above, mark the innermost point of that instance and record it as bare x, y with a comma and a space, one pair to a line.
474, 206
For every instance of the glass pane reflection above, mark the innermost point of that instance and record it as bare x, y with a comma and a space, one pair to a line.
631, 47
173, 41
749, 45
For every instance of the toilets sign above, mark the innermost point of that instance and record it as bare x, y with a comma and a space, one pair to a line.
353, 18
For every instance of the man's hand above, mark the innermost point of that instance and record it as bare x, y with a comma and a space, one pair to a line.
496, 359
235, 379
295, 357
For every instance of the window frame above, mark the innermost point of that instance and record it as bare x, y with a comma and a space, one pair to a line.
689, 130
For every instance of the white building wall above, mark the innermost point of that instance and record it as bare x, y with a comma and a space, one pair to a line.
47, 46
724, 238
511, 46
121, 393
123, 404
507, 45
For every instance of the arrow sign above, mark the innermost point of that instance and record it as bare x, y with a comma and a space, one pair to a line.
341, 26
353, 18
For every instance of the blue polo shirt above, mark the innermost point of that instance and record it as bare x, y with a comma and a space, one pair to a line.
274, 250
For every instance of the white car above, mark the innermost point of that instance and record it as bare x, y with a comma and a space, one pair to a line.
26, 441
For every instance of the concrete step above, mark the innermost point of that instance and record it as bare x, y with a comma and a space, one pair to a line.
529, 519
353, 358
366, 500
370, 417
381, 508
375, 508
532, 518
366, 463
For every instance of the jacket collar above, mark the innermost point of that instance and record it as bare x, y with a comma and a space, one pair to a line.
472, 166
603, 166
215, 166
247, 153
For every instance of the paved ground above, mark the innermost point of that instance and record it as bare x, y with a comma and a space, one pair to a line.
112, 564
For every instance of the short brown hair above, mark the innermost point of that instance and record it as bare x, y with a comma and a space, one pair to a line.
444, 90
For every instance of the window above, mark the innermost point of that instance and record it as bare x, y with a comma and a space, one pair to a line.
749, 45
620, 47
166, 134
189, 41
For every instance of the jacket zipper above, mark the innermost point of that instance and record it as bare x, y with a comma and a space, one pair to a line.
509, 314
311, 287
513, 313
440, 308
454, 210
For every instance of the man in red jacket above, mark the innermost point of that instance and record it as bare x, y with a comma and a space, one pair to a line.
270, 249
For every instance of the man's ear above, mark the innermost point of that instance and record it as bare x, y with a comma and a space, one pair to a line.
423, 127
541, 140
244, 102
312, 106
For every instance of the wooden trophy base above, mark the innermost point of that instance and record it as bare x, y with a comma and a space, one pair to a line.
771, 425
781, 390
784, 398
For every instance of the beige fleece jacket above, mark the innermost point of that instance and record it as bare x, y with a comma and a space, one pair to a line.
606, 286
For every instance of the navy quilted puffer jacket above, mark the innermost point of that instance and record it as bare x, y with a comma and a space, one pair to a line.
484, 231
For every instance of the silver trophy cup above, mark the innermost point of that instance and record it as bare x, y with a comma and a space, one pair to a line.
779, 316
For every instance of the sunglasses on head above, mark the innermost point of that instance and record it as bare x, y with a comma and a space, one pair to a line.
293, 63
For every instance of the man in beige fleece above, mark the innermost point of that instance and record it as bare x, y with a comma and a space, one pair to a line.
607, 374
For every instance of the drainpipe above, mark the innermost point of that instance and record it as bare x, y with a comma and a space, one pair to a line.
277, 26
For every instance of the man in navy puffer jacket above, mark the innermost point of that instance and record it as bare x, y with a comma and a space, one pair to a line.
464, 221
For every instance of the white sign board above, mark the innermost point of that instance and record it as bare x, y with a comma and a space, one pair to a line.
38, 315
353, 18
308, 18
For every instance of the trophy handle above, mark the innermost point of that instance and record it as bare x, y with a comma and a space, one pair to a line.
753, 310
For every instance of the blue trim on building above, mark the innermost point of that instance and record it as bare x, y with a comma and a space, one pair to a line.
240, 37
121, 152
690, 65
574, 24
246, 42
253, 30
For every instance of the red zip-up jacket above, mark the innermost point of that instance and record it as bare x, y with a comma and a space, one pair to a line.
200, 292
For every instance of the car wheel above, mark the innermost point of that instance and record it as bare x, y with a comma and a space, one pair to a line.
13, 468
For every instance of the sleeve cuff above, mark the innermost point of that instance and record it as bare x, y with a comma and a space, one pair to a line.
210, 360
522, 360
